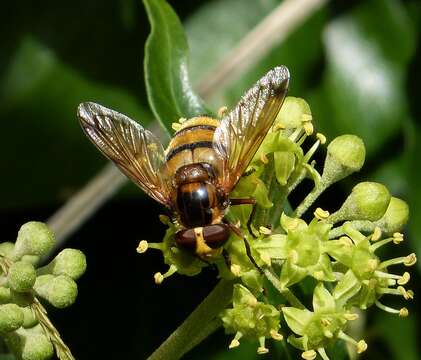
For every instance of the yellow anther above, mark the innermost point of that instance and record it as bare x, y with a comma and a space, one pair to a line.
325, 322
351, 316
262, 350
222, 111
306, 118
404, 278
321, 138
265, 231
309, 355
142, 247
308, 128
346, 241
361, 346
403, 312
410, 260
252, 301
236, 269
176, 126
264, 159
159, 278
234, 343
318, 275
372, 264
278, 126
321, 214
377, 233
275, 335
181, 120
408, 295
397, 238
328, 334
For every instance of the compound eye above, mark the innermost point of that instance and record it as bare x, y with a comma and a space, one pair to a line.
216, 235
186, 239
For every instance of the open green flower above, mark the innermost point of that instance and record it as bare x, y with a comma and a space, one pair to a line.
318, 328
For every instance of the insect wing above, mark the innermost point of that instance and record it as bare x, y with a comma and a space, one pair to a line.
241, 131
135, 150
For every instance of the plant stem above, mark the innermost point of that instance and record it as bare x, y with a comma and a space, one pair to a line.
286, 293
201, 322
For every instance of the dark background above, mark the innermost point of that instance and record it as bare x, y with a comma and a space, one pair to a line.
54, 55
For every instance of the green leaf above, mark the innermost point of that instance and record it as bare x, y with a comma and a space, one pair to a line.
400, 335
414, 195
169, 91
39, 95
363, 90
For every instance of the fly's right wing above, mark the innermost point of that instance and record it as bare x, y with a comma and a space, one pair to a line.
135, 150
242, 130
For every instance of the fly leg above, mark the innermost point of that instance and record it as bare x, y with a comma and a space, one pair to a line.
237, 231
247, 201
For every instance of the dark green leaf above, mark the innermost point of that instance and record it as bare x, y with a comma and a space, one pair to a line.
170, 94
45, 155
363, 92
400, 335
414, 195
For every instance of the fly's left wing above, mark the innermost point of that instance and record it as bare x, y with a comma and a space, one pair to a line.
135, 150
241, 131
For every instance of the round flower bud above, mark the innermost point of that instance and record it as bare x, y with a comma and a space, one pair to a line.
292, 113
345, 155
34, 238
11, 318
367, 201
5, 296
21, 276
395, 216
29, 319
30, 344
70, 262
60, 291
6, 248
37, 347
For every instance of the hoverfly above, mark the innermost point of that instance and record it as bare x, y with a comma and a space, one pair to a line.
203, 162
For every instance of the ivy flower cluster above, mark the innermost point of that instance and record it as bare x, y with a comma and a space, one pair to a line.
334, 251
24, 324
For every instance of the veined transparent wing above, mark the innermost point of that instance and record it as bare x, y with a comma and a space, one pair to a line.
135, 150
241, 131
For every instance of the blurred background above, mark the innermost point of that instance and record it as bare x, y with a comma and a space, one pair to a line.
357, 63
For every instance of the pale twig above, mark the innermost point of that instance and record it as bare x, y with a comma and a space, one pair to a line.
269, 32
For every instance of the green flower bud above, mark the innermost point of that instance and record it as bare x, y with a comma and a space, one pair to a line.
395, 216
70, 262
293, 112
345, 155
251, 318
368, 201
60, 291
21, 276
284, 166
30, 344
11, 318
29, 319
5, 295
34, 238
6, 248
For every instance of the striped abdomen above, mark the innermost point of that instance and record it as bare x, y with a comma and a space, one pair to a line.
192, 143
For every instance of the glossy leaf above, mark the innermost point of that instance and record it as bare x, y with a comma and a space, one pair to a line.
217, 27
38, 100
169, 91
363, 92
